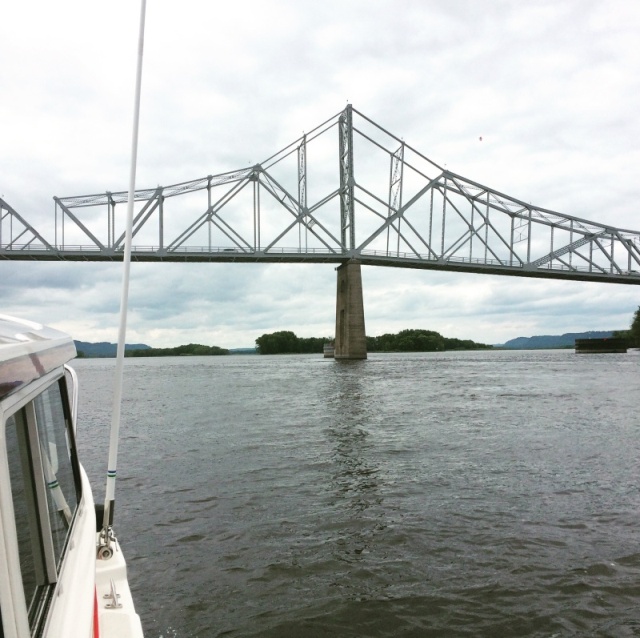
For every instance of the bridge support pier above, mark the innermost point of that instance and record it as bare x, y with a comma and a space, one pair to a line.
351, 340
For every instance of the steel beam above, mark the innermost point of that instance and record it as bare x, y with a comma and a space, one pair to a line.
347, 214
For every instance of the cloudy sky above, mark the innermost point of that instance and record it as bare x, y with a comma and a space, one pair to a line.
552, 88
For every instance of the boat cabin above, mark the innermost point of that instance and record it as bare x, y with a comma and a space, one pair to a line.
47, 515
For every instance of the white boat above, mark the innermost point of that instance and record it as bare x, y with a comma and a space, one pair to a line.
62, 572
59, 577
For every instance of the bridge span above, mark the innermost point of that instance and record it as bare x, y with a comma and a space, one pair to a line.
347, 192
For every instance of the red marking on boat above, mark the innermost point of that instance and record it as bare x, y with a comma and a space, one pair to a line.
96, 622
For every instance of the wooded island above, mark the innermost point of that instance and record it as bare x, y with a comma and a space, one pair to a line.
190, 350
286, 342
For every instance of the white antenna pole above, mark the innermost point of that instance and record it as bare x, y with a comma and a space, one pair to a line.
124, 299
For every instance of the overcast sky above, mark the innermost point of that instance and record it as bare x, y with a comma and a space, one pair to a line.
552, 88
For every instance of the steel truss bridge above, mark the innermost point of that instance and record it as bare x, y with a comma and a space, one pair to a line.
347, 190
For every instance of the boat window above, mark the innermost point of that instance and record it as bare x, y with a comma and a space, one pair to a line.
45, 487
24, 504
57, 464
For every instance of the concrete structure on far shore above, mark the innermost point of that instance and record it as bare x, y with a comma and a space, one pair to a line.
351, 342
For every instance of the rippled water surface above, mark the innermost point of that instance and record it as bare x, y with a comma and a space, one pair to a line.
457, 494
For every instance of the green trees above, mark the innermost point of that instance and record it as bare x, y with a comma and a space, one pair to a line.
281, 342
286, 342
632, 336
635, 328
192, 349
419, 341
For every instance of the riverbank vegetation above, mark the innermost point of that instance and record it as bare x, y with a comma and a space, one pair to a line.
190, 350
286, 342
631, 336
420, 341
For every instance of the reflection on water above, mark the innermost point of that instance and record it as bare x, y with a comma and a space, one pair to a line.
349, 405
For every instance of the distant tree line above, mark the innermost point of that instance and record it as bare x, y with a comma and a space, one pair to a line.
190, 350
286, 342
420, 341
631, 336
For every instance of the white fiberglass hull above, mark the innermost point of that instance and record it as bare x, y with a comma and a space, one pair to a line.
85, 590
51, 583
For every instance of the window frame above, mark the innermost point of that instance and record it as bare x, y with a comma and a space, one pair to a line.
21, 406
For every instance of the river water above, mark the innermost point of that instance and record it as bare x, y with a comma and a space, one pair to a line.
432, 494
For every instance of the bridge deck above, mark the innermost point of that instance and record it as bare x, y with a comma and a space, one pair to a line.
366, 258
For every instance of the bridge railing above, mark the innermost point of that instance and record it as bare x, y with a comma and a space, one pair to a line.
296, 253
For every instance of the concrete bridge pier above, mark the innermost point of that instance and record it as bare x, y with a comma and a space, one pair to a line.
351, 340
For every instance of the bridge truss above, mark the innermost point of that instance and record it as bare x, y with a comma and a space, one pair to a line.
386, 204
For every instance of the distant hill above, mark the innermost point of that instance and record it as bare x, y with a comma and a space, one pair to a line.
554, 341
105, 349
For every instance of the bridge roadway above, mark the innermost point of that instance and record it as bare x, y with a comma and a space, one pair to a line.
204, 254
